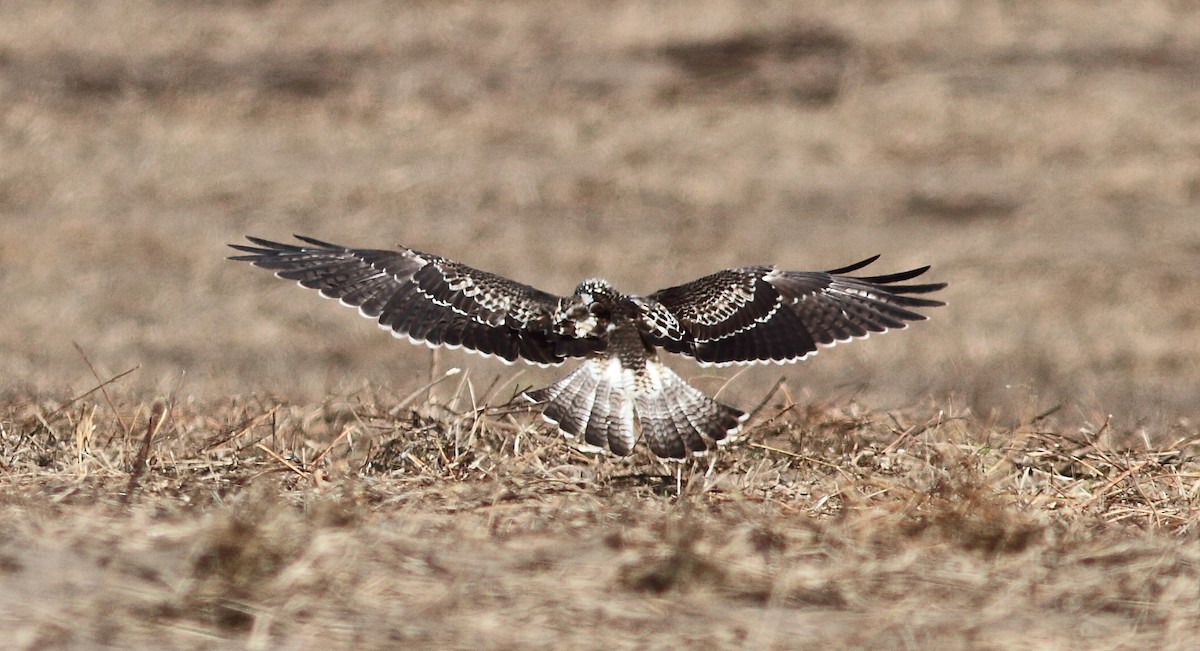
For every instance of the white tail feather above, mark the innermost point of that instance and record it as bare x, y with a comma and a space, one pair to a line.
608, 404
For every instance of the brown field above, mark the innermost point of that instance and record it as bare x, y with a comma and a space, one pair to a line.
195, 455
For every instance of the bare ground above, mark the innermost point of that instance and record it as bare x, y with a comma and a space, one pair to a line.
1017, 473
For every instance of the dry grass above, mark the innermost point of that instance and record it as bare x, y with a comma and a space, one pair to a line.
1017, 473
368, 524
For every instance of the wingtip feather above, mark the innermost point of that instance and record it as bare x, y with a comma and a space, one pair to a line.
854, 267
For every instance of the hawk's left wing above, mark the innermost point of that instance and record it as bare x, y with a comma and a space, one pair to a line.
427, 298
763, 314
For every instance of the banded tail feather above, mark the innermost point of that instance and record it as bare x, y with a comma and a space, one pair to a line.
608, 405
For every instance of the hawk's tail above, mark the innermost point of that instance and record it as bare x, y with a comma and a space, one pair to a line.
676, 418
606, 404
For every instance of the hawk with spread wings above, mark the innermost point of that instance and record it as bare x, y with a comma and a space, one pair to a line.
737, 316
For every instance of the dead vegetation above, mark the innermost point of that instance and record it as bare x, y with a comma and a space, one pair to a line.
367, 523
266, 471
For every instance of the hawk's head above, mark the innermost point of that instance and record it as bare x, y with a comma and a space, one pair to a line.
595, 292
588, 312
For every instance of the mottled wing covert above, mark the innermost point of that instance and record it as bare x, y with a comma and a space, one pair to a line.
762, 314
426, 298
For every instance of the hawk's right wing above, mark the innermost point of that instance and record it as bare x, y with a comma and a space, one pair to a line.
427, 298
763, 314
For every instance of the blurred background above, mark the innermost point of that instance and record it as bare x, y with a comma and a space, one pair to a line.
1043, 157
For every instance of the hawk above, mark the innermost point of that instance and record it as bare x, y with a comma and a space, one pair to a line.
746, 315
